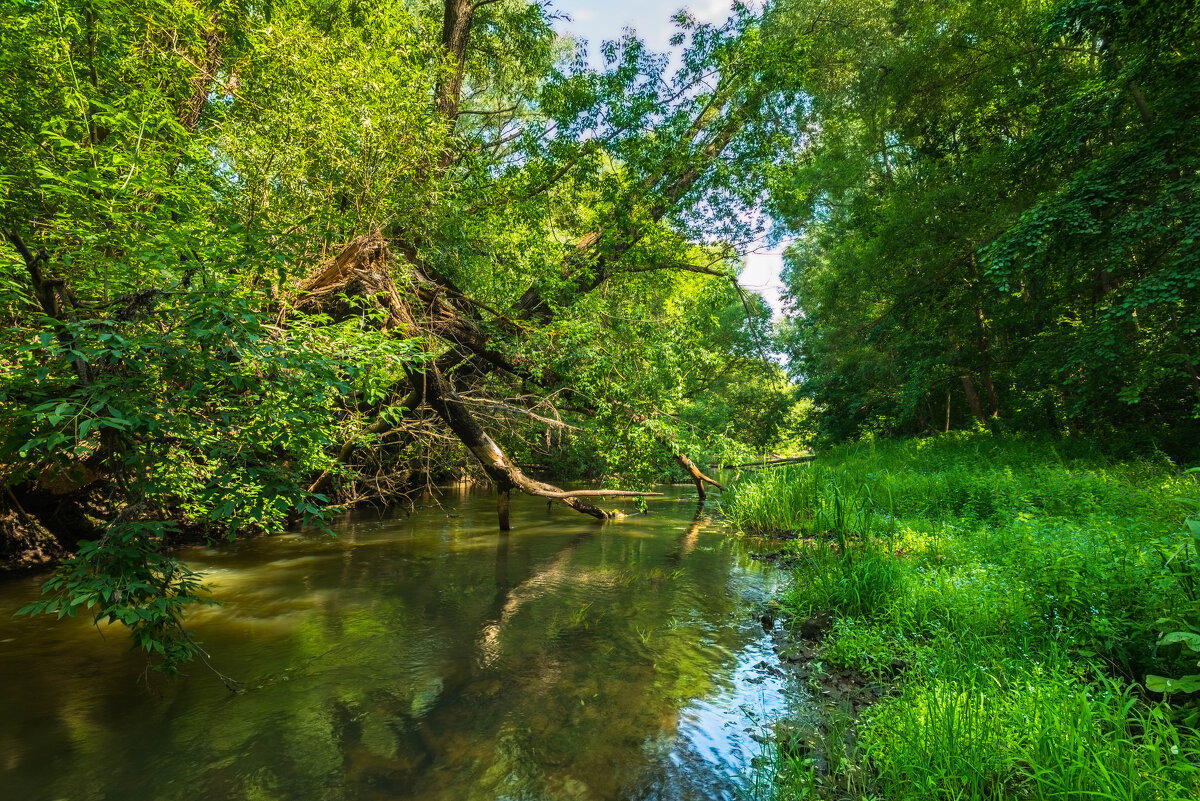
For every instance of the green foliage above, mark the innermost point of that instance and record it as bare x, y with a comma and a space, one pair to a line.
1182, 564
218, 415
96, 153
995, 215
860, 582
126, 576
1023, 590
184, 166
1026, 732
701, 387
328, 131
205, 414
809, 499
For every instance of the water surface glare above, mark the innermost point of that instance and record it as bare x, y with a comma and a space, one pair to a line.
419, 656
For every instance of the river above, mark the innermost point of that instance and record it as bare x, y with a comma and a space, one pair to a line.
419, 654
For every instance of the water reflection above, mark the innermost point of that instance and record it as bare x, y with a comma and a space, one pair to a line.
420, 657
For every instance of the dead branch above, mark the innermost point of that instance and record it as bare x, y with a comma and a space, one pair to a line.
698, 478
517, 411
598, 494
362, 274
781, 460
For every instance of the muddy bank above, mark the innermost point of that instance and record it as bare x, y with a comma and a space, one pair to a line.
823, 735
25, 544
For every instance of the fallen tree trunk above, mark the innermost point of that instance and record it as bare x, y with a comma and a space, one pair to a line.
768, 462
698, 478
364, 269
495, 462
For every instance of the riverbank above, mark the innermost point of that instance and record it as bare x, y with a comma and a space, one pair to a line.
1005, 600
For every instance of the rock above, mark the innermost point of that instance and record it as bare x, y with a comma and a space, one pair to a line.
816, 626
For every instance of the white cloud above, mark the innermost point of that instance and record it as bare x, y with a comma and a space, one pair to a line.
711, 10
761, 275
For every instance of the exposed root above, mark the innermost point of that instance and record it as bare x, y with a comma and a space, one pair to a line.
24, 541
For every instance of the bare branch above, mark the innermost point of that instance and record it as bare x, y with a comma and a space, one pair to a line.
499, 406
598, 494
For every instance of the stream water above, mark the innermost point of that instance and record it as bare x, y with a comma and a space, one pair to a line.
419, 655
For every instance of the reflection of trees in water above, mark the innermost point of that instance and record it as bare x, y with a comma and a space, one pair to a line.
687, 541
432, 668
562, 704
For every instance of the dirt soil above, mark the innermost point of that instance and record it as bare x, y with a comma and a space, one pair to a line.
25, 544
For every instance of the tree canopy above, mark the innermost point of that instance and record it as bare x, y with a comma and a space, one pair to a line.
267, 260
996, 217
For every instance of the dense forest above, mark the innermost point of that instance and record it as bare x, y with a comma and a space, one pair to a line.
997, 216
266, 260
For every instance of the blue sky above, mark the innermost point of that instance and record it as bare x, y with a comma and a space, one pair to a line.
598, 21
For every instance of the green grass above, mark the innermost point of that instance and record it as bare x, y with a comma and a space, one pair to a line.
1024, 583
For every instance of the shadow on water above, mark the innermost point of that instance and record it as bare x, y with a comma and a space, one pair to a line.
420, 656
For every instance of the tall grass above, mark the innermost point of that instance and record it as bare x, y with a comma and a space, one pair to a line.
1031, 734
806, 499
1023, 582
856, 581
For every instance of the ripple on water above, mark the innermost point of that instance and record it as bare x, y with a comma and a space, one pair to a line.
423, 657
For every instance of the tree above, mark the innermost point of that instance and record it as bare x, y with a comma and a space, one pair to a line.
981, 192
262, 251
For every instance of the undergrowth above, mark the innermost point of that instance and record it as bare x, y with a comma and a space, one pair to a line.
1026, 587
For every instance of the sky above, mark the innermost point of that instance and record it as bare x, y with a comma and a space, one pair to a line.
596, 21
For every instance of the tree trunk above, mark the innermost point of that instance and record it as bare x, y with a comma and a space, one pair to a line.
189, 113
364, 269
973, 398
457, 16
698, 478
502, 493
455, 414
47, 291
981, 329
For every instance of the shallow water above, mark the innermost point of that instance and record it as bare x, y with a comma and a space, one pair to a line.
423, 656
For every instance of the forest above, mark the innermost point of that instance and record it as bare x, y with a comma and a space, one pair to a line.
266, 262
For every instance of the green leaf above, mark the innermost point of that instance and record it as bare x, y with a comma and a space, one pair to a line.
1189, 639
1183, 684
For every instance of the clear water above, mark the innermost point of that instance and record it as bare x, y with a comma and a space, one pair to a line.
419, 656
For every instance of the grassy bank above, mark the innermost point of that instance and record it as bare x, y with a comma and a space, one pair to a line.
1014, 595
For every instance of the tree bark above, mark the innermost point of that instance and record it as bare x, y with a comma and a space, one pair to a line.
47, 291
698, 478
981, 332
782, 460
973, 398
457, 18
458, 418
189, 113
